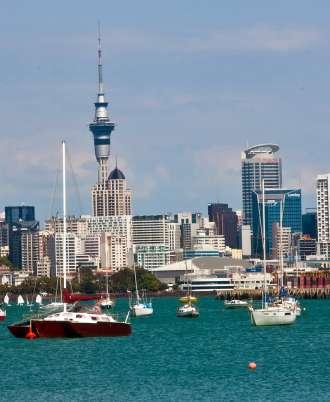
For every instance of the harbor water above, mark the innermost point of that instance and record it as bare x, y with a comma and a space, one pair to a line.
175, 359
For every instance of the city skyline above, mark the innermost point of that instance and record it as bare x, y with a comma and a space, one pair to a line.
182, 121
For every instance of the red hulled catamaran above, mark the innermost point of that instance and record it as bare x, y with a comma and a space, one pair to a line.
66, 323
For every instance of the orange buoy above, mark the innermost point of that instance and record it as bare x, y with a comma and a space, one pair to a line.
252, 365
30, 335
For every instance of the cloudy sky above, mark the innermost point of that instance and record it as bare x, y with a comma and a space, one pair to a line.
190, 83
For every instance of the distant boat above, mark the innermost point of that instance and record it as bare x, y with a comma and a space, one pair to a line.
2, 314
236, 303
187, 310
140, 306
39, 300
188, 299
107, 303
20, 300
6, 299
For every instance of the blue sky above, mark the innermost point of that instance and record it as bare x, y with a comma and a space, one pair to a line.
190, 83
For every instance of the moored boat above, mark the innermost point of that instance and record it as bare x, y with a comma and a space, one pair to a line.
2, 314
187, 310
188, 299
236, 303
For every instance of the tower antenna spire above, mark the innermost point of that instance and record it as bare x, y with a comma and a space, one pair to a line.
99, 52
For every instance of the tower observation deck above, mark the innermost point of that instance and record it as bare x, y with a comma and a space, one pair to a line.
101, 127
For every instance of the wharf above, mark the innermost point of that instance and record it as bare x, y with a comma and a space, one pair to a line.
303, 293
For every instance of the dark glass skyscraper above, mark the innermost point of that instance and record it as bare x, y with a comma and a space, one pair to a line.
291, 199
226, 221
309, 224
20, 221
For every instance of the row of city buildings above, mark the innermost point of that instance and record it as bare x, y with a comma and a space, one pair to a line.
112, 238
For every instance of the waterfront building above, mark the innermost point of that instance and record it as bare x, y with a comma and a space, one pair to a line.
309, 223
291, 212
151, 256
259, 162
226, 222
207, 240
246, 240
306, 247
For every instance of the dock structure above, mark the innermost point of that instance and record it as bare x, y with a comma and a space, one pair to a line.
303, 293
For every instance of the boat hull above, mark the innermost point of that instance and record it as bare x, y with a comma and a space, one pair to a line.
187, 315
141, 311
102, 329
53, 329
19, 330
64, 329
265, 317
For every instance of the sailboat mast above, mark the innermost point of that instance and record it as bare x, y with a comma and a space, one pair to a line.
64, 219
264, 238
136, 286
281, 242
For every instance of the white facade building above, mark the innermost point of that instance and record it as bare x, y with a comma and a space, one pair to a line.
207, 240
152, 256
323, 207
73, 247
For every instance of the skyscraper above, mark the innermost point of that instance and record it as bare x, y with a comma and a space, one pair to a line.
226, 222
259, 162
112, 198
22, 227
323, 206
291, 210
309, 223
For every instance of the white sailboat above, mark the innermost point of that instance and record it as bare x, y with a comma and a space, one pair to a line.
107, 302
20, 300
39, 299
6, 300
140, 306
269, 315
283, 299
187, 310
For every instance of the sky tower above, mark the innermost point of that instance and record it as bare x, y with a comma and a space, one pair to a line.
101, 127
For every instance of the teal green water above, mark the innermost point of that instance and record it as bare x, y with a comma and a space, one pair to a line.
175, 359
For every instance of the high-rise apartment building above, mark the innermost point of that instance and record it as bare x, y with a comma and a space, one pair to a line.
259, 163
112, 198
323, 208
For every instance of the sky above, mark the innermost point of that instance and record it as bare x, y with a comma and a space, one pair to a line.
190, 84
